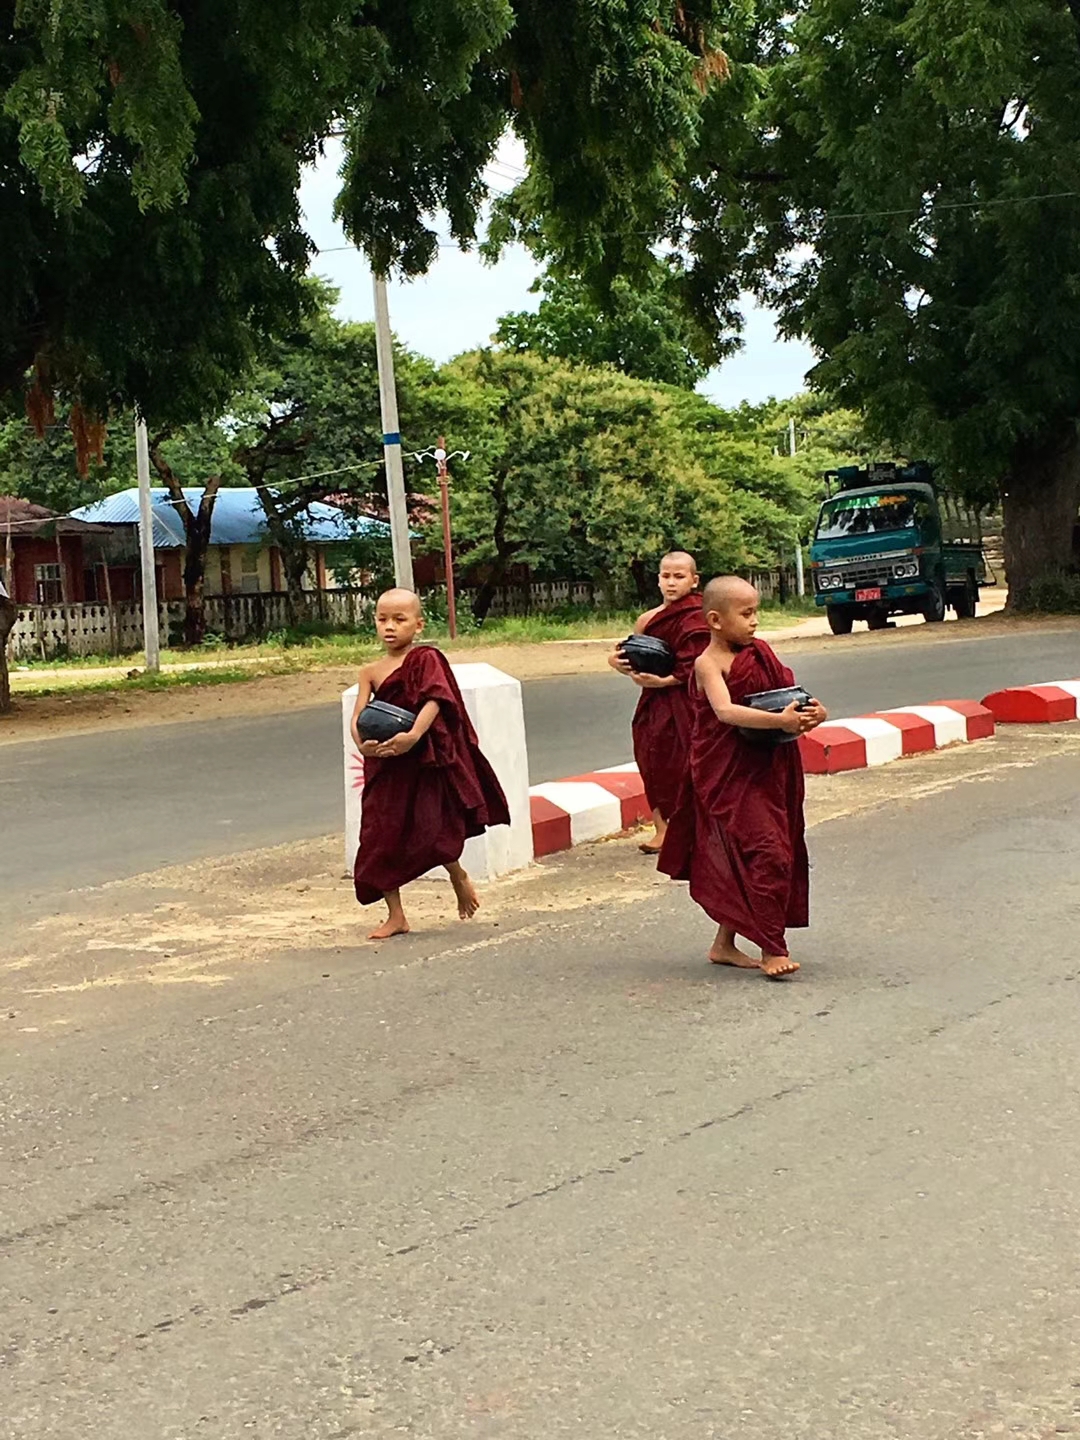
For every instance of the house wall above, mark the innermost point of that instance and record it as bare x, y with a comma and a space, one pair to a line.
29, 551
170, 574
125, 581
249, 569
233, 569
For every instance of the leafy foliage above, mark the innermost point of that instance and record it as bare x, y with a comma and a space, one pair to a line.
150, 155
577, 472
641, 329
908, 185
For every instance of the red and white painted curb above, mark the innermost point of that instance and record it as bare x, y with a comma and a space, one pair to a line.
866, 740
571, 812
1047, 704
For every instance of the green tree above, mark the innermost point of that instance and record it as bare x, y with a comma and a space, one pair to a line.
308, 427
150, 155
576, 472
44, 469
909, 182
641, 328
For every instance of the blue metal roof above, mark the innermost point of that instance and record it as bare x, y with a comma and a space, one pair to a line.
238, 518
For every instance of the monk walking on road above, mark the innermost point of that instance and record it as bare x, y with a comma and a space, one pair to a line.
738, 834
425, 791
661, 727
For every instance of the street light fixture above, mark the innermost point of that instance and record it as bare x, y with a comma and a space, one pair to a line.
442, 459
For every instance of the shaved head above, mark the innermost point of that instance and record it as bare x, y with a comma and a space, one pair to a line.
680, 557
727, 591
400, 600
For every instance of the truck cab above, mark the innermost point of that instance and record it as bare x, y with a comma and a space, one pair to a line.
882, 547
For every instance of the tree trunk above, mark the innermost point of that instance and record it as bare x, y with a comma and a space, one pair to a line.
197, 529
295, 557
7, 624
1040, 502
505, 550
489, 589
641, 578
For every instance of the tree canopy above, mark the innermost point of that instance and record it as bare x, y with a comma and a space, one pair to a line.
577, 472
642, 328
151, 151
907, 187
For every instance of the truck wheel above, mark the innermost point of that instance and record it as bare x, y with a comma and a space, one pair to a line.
840, 619
878, 619
934, 609
967, 599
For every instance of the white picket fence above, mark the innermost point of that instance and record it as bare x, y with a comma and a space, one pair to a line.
44, 632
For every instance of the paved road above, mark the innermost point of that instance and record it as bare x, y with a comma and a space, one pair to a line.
94, 808
568, 1182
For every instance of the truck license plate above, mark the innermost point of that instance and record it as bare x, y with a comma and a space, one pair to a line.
874, 594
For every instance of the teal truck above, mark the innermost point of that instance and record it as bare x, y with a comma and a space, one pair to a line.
888, 543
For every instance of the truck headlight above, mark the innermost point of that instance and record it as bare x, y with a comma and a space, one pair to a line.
907, 570
830, 582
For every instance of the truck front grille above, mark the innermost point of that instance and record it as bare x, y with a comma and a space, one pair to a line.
874, 572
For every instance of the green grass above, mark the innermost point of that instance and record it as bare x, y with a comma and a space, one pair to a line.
171, 681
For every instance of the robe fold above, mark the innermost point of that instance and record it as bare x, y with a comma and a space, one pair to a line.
738, 832
661, 728
419, 809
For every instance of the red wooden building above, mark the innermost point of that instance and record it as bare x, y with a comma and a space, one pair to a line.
46, 559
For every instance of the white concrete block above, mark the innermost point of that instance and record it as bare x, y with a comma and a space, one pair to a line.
354, 778
493, 700
494, 704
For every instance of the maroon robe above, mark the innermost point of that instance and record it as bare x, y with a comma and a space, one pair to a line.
662, 720
738, 833
420, 808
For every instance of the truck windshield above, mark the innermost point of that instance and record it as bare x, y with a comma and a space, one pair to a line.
870, 515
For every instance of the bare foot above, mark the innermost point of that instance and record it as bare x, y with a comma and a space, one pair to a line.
778, 967
468, 902
732, 955
390, 927
656, 844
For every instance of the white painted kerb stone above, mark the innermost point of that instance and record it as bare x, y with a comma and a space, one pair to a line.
493, 701
884, 742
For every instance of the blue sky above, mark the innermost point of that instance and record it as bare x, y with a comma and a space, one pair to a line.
457, 305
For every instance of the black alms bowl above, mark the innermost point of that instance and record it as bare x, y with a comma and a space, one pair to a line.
648, 655
774, 701
380, 721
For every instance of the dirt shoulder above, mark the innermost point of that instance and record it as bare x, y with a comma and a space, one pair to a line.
74, 960
39, 717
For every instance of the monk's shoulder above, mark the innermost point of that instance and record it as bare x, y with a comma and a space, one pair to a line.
708, 663
643, 621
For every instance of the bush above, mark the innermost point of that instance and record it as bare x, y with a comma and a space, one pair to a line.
1056, 594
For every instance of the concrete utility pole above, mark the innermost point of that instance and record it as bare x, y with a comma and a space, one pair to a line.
395, 470
791, 436
800, 577
146, 550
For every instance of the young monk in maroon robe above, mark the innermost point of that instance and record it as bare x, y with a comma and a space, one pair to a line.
428, 790
738, 832
661, 727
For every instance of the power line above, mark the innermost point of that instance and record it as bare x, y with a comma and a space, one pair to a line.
951, 205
